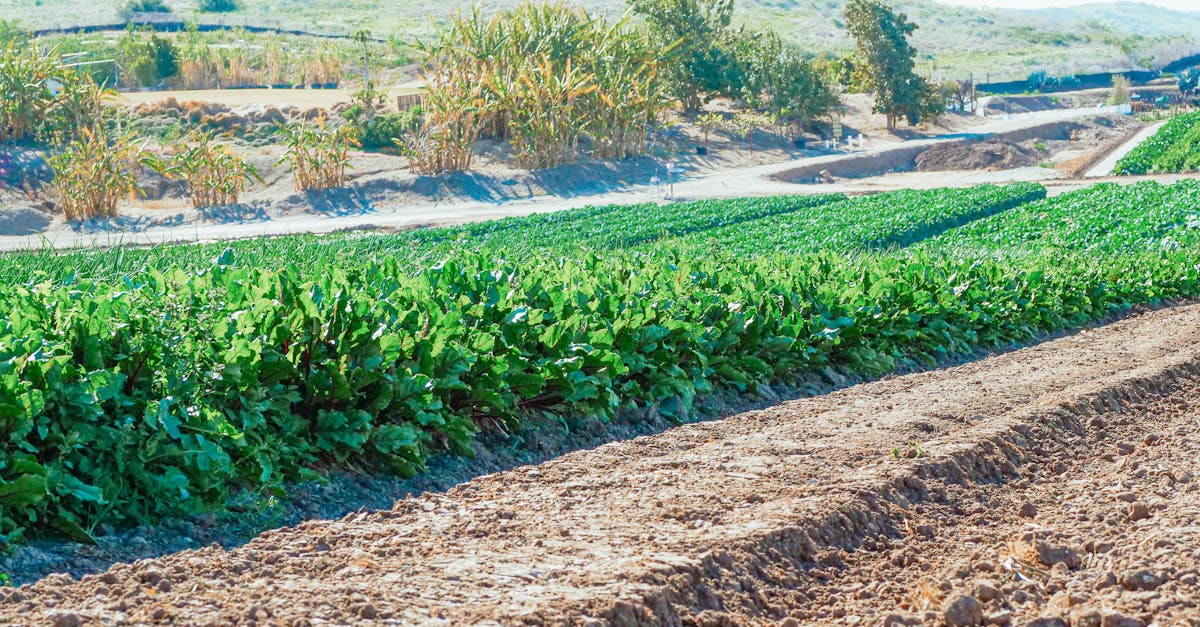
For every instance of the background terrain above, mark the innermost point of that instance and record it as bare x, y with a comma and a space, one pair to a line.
989, 44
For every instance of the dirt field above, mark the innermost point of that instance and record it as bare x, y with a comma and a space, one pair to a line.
1049, 486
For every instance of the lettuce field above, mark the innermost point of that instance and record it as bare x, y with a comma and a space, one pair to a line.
141, 383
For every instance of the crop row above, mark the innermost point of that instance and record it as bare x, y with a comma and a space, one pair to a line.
1103, 220
126, 398
879, 222
1173, 148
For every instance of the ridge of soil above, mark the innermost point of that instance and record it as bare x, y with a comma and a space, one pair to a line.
838, 509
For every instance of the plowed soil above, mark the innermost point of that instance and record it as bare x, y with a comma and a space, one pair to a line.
1048, 486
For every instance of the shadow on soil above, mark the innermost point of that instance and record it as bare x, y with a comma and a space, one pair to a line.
345, 493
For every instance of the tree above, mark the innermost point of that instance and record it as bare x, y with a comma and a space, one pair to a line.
781, 81
1189, 80
150, 61
884, 52
697, 39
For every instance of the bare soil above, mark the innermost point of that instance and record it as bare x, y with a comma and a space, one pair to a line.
1048, 486
993, 154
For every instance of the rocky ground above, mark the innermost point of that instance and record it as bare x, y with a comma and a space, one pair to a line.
1048, 486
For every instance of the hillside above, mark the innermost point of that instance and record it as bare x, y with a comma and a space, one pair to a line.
955, 41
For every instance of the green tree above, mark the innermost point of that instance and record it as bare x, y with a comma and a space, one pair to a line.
781, 81
1189, 80
698, 43
886, 56
148, 61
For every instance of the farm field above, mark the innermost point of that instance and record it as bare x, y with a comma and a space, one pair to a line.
393, 348
951, 484
548, 313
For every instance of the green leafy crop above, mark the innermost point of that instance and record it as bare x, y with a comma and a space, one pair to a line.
136, 384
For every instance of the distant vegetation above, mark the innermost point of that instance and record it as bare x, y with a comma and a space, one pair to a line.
992, 45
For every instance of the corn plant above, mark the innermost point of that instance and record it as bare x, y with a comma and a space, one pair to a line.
318, 154
25, 93
545, 125
543, 76
94, 172
80, 105
629, 95
215, 174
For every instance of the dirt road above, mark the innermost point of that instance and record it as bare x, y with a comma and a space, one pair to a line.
1044, 484
1109, 163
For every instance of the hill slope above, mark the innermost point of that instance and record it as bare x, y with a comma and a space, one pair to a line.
954, 41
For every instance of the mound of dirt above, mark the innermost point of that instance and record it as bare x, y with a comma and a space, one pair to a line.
1023, 104
23, 220
993, 154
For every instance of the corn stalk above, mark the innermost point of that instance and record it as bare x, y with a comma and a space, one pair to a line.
317, 154
215, 174
543, 76
94, 172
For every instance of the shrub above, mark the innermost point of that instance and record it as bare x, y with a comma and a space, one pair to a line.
1121, 90
219, 6
384, 130
134, 7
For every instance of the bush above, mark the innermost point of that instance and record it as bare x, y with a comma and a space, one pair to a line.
133, 7
219, 6
384, 130
11, 31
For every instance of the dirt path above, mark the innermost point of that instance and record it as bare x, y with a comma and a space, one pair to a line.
836, 509
1109, 163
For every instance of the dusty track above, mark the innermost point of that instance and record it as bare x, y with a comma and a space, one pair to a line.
817, 511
